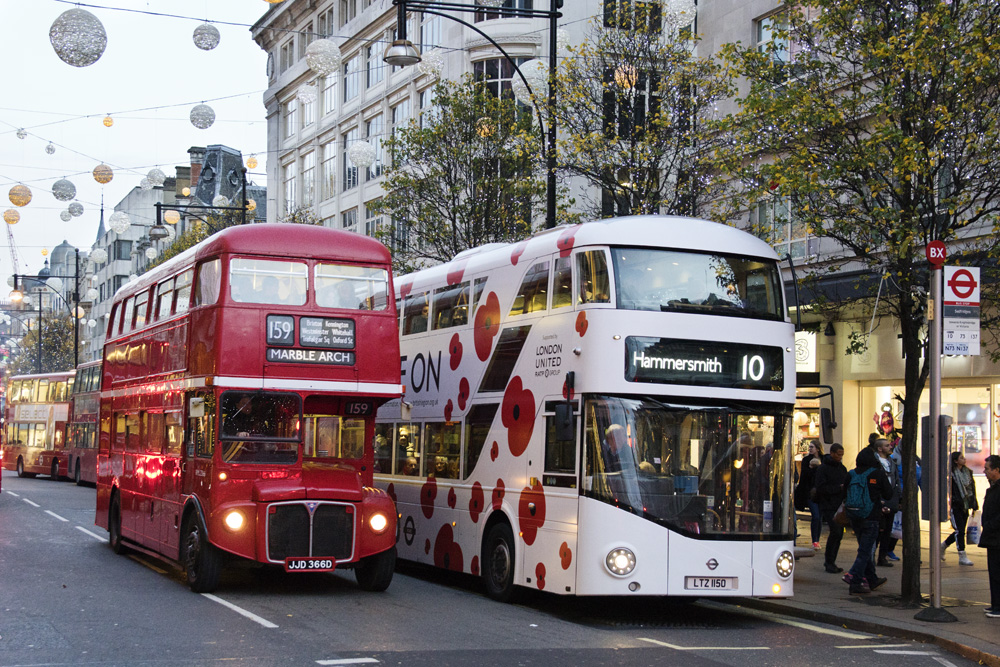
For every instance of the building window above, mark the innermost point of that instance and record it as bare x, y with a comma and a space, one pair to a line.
309, 108
487, 15
352, 77
400, 114
372, 220
348, 10
373, 134
772, 221
349, 220
376, 68
122, 250
625, 114
306, 37
329, 94
308, 178
497, 73
350, 171
291, 117
288, 186
428, 111
632, 15
329, 167
772, 37
286, 55
400, 235
430, 32
324, 23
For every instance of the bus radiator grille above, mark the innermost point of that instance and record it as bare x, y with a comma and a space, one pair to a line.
290, 530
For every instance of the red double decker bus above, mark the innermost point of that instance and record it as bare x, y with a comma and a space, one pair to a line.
239, 390
35, 424
81, 430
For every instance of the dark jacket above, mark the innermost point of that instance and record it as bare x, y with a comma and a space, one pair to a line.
829, 484
989, 538
963, 498
879, 486
806, 479
897, 485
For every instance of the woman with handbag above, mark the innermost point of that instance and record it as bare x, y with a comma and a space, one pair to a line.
805, 496
963, 499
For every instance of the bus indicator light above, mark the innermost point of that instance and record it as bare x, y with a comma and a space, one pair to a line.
234, 521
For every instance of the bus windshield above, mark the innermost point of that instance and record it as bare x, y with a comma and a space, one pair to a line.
704, 471
672, 280
259, 427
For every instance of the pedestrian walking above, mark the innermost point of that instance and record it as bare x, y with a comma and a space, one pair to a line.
866, 515
886, 542
804, 496
990, 537
829, 482
963, 499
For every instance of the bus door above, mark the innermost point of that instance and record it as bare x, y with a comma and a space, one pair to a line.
171, 481
199, 446
553, 495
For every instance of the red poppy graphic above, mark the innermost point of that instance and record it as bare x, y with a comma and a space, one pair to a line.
516, 253
447, 553
531, 512
565, 555
404, 289
391, 491
518, 414
498, 494
487, 325
428, 492
448, 407
456, 271
476, 502
494, 451
427, 546
581, 323
455, 349
463, 393
474, 566
568, 394
452, 498
566, 240
540, 575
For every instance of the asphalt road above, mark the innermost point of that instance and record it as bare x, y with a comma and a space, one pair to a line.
66, 599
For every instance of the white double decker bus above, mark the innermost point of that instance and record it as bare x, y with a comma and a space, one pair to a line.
602, 409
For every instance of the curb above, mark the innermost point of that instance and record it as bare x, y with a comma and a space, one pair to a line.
950, 645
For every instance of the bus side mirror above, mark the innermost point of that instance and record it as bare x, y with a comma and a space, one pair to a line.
564, 422
827, 424
196, 407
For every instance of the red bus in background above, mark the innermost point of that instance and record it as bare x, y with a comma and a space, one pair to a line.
81, 431
240, 384
35, 425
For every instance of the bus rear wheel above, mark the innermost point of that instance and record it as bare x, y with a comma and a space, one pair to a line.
115, 525
498, 563
374, 573
55, 470
76, 475
202, 561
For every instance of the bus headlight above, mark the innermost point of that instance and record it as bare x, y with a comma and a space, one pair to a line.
620, 561
234, 521
785, 564
378, 523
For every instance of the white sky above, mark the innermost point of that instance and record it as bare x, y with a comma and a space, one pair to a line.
150, 76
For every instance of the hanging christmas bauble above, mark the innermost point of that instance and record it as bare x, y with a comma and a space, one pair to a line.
63, 190
99, 255
220, 200
361, 154
65, 216
20, 195
323, 57
171, 217
206, 37
75, 209
156, 176
145, 184
103, 174
431, 65
252, 162
11, 216
202, 116
51, 148
151, 253
78, 37
108, 121
119, 222
22, 133
91, 294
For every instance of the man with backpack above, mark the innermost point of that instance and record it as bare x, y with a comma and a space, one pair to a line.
867, 489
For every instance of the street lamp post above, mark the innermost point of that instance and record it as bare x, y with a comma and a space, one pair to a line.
402, 52
17, 295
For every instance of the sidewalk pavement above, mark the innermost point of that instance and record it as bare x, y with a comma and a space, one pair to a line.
965, 593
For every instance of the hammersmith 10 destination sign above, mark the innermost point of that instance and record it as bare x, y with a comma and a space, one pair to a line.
703, 363
321, 340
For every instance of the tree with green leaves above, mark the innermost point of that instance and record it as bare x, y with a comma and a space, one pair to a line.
875, 122
466, 173
57, 347
637, 117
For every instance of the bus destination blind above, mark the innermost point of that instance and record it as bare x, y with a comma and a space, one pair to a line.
321, 340
703, 363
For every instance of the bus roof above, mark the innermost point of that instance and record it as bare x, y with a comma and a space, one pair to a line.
653, 231
278, 239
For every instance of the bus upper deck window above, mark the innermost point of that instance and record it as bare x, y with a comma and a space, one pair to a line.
351, 287
562, 283
268, 281
592, 272
183, 291
209, 283
533, 295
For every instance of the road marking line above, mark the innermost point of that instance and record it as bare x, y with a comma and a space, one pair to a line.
30, 503
51, 513
239, 610
943, 661
349, 661
13, 494
97, 537
869, 646
147, 564
705, 648
822, 631
907, 652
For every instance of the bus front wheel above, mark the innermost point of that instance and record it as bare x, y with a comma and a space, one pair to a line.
20, 469
498, 563
76, 475
55, 470
115, 525
374, 573
202, 561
